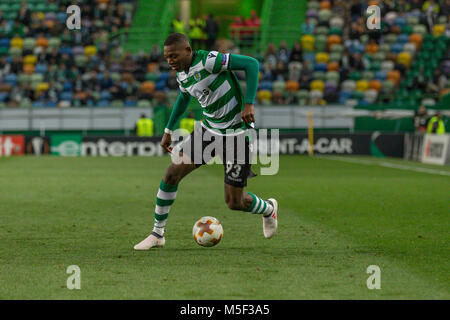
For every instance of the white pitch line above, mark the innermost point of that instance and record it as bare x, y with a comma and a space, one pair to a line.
389, 165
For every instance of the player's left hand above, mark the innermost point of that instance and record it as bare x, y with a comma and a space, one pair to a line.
248, 114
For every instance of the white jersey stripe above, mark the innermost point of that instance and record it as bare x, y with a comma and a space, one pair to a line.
220, 91
224, 125
224, 110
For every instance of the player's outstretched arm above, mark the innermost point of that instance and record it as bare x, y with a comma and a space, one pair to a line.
180, 106
251, 67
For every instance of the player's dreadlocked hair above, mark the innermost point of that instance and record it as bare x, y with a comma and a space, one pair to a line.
175, 38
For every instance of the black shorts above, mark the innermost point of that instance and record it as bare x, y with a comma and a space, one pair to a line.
203, 145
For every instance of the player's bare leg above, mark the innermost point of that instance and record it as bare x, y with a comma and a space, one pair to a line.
237, 199
164, 199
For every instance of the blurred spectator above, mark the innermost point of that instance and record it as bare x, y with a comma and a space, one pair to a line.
295, 62
236, 28
253, 23
196, 32
436, 124
280, 72
421, 119
178, 25
445, 10
24, 16
212, 31
144, 126
308, 26
172, 83
431, 9
415, 4
270, 57
156, 54
283, 52
438, 82
356, 9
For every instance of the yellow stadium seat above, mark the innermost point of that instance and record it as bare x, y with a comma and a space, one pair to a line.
362, 85
308, 42
322, 57
43, 86
404, 58
30, 59
317, 85
90, 50
16, 42
438, 30
264, 95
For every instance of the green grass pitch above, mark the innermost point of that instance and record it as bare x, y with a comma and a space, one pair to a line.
336, 218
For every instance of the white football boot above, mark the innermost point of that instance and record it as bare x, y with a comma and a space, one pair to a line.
270, 223
150, 242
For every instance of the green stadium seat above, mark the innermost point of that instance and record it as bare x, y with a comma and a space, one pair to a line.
335, 56
115, 76
325, 15
24, 78
318, 75
337, 48
332, 76
279, 86
420, 29
29, 43
348, 85
391, 38
387, 87
151, 77
116, 104
80, 60
144, 103
54, 43
368, 75
321, 30
40, 7
14, 52
412, 20
313, 5
379, 56
355, 75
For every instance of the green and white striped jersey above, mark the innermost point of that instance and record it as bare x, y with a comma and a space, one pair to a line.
216, 88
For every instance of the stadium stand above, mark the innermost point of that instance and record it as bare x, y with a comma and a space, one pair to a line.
333, 58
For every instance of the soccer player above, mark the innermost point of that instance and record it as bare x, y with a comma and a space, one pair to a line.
208, 76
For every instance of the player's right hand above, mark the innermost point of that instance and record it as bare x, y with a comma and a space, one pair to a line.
166, 142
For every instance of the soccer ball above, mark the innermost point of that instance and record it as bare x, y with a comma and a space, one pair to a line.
207, 231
